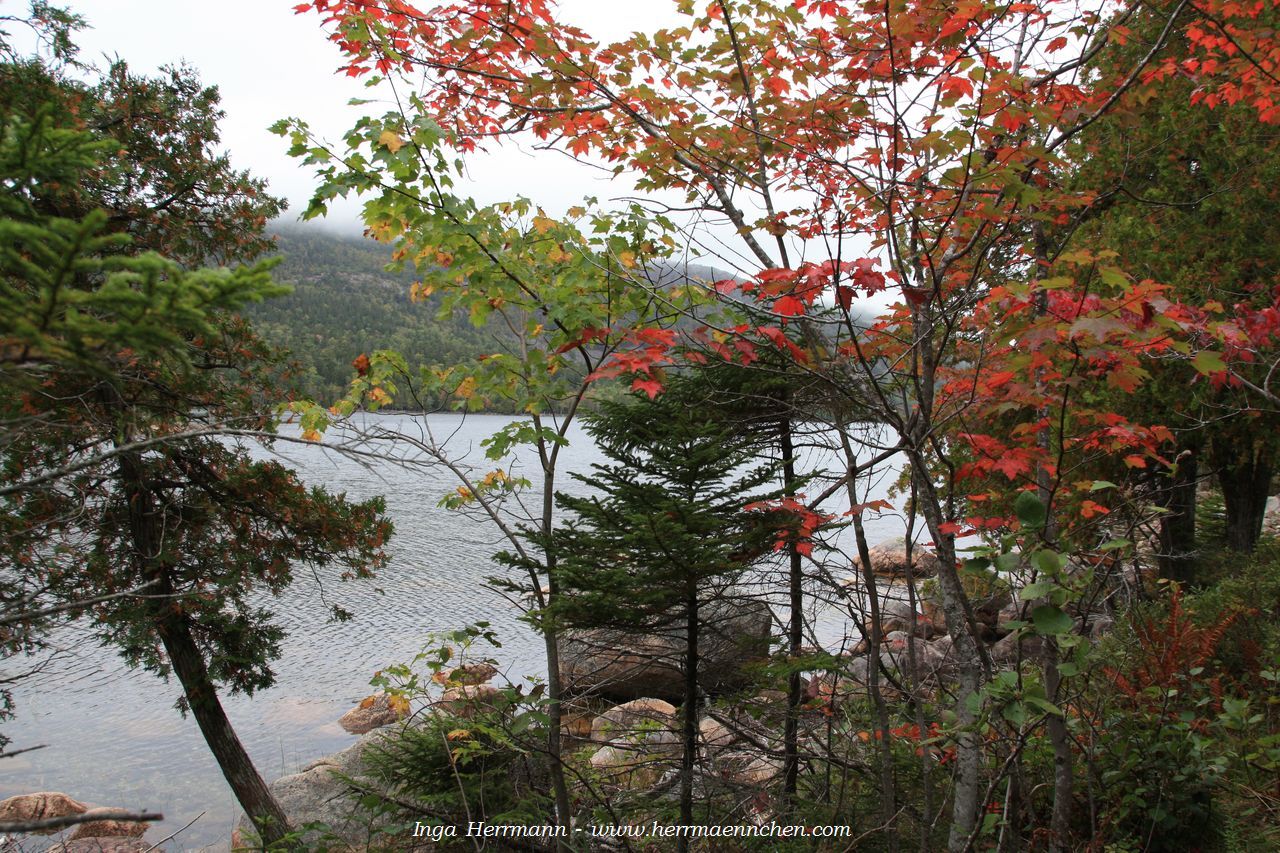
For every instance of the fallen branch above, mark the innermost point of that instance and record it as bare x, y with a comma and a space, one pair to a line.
22, 826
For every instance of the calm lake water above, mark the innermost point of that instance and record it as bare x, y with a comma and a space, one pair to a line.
115, 739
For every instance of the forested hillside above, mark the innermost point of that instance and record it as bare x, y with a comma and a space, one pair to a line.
344, 303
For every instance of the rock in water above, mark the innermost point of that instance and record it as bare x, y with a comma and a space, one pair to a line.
373, 712
890, 558
470, 674
466, 701
319, 795
622, 665
41, 806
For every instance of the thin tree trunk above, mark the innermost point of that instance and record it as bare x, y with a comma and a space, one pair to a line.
888, 784
1059, 737
795, 632
1063, 760
1178, 526
970, 661
555, 687
690, 713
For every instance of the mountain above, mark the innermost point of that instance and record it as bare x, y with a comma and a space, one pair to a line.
344, 303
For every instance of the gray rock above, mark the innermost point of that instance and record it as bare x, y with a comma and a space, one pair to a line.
895, 615
1005, 651
317, 794
631, 768
749, 769
639, 720
623, 665
890, 558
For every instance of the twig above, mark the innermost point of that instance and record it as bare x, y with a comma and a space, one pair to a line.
22, 826
173, 835
25, 615
20, 751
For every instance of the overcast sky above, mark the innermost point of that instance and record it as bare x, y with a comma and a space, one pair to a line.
269, 63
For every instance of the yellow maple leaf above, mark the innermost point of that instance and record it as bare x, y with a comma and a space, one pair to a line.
310, 435
391, 140
542, 223
459, 734
627, 259
467, 388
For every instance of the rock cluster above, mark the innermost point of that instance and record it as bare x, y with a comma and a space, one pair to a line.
108, 834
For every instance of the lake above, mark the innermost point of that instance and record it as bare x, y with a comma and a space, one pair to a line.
115, 739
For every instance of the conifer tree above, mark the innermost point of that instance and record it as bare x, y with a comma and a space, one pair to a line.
667, 531
119, 369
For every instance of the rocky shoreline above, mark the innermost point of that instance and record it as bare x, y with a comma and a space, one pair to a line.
623, 690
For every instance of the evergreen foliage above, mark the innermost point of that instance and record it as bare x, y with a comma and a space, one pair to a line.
119, 369
666, 524
344, 303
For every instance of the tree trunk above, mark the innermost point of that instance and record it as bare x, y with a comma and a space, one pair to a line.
1063, 761
690, 713
202, 697
1245, 467
973, 665
888, 781
550, 639
188, 661
1177, 558
795, 632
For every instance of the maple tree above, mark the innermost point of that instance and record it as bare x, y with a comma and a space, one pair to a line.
1190, 201
918, 153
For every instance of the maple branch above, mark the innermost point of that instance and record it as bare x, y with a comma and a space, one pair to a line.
1226, 33
763, 181
1125, 85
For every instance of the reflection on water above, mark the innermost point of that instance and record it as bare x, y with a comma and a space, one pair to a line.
116, 739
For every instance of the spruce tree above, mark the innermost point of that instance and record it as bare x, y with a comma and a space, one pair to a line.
667, 531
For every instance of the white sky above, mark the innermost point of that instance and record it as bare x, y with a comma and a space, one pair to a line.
269, 63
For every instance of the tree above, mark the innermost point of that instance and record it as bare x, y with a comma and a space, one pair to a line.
119, 369
671, 525
554, 297
1192, 202
918, 148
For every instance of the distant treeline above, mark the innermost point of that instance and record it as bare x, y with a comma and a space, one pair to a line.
344, 303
